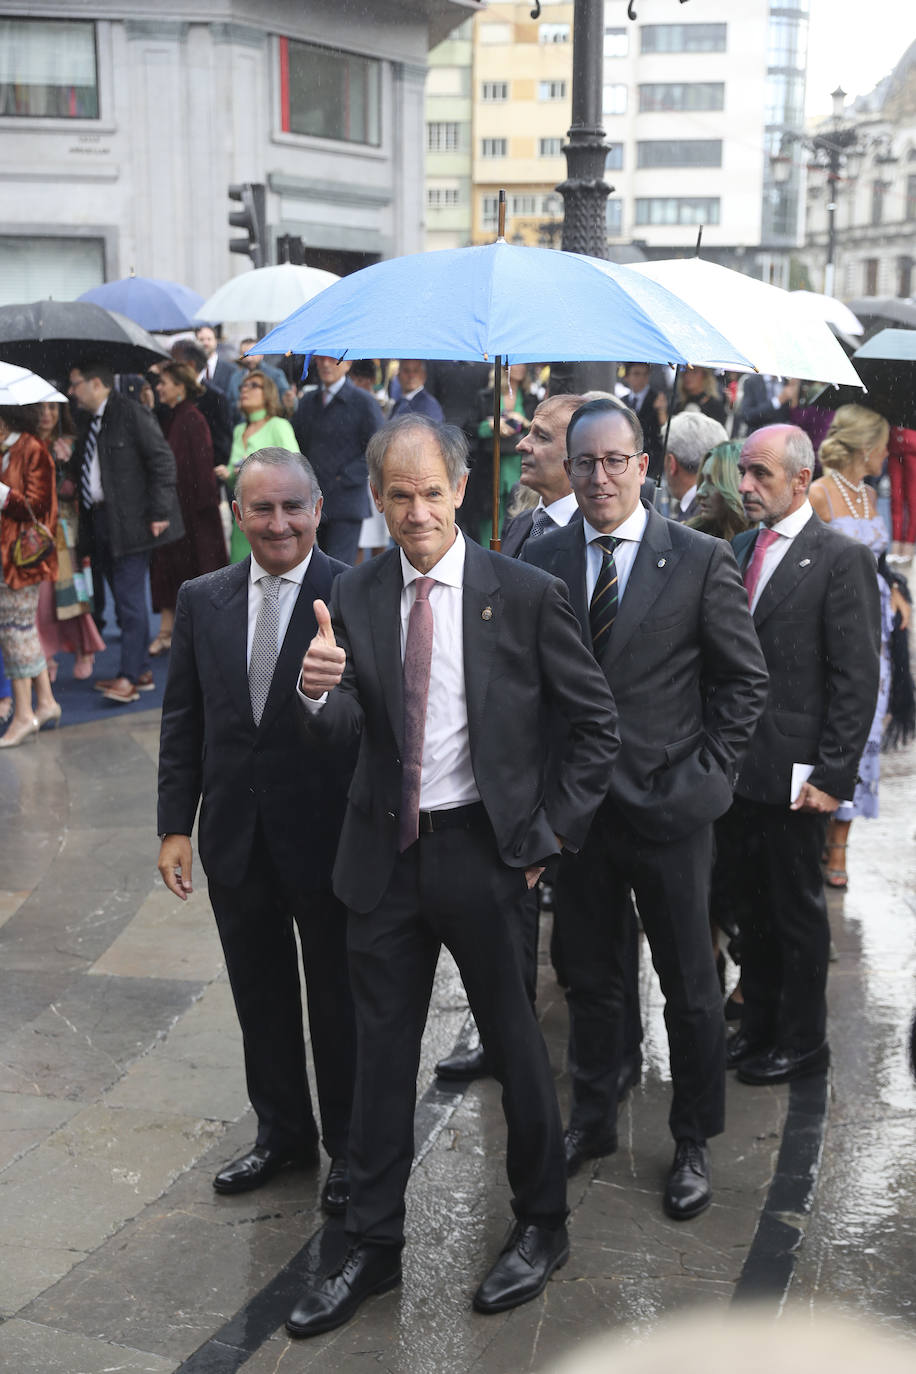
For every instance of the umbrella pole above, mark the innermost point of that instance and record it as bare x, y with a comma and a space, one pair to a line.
497, 398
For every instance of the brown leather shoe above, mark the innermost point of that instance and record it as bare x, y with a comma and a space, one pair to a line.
144, 683
122, 691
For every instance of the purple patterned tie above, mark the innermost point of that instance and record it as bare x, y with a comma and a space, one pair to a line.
417, 658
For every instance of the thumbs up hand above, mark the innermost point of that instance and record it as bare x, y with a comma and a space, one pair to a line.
324, 662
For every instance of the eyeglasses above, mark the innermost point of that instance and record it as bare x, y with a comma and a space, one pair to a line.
613, 463
247, 385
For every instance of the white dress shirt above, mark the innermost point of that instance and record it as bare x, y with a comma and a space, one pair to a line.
787, 528
639, 397
688, 496
329, 392
10, 441
631, 532
95, 467
560, 512
290, 584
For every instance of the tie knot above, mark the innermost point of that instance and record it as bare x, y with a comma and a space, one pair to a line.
270, 586
765, 538
424, 586
607, 544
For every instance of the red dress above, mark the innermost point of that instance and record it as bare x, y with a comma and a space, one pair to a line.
203, 546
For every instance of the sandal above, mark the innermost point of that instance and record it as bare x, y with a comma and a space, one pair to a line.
160, 645
836, 878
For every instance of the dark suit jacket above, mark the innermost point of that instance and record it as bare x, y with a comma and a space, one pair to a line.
223, 374
819, 624
333, 438
211, 750
515, 533
421, 404
685, 668
138, 477
522, 658
756, 407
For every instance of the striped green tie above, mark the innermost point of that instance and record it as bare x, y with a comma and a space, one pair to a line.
603, 608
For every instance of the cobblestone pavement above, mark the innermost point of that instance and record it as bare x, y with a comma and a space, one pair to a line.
121, 1091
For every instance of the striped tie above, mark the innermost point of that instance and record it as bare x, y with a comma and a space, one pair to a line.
602, 610
92, 443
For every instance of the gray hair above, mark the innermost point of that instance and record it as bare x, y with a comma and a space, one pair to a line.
607, 405
278, 458
453, 446
691, 436
798, 452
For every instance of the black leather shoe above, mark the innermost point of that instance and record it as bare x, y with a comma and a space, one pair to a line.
464, 1066
630, 1074
526, 1262
331, 1301
336, 1191
742, 1046
781, 1066
259, 1166
580, 1146
687, 1192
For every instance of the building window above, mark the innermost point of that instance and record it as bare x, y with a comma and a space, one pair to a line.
443, 137
495, 33
878, 189
871, 276
489, 211
441, 197
911, 196
553, 33
32, 268
682, 38
904, 276
491, 91
614, 218
613, 162
784, 99
682, 95
787, 42
48, 69
329, 94
551, 147
523, 205
551, 90
614, 100
677, 210
616, 42
494, 147
679, 152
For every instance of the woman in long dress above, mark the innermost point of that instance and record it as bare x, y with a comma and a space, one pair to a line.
263, 426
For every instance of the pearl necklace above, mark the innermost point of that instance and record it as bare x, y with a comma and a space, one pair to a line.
857, 489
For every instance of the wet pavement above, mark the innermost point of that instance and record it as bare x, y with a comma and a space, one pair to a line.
121, 1092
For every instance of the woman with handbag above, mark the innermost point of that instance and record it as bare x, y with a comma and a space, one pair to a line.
28, 557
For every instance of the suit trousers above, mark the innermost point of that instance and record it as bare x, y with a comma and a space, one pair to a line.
774, 857
127, 576
450, 888
255, 922
593, 908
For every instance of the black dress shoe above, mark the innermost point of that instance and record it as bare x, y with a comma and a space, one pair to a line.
331, 1301
528, 1259
336, 1191
630, 1074
742, 1046
688, 1192
464, 1066
259, 1166
781, 1066
582, 1145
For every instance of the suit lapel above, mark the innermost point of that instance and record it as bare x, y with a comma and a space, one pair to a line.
652, 568
385, 614
299, 632
482, 609
229, 597
797, 563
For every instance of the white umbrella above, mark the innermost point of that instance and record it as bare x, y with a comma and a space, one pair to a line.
829, 309
265, 293
780, 338
20, 387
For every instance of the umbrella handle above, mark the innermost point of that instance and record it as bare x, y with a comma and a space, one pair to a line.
495, 541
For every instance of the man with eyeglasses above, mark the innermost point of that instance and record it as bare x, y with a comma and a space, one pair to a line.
663, 609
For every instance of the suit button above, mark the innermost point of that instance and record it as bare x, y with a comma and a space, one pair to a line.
391, 815
252, 790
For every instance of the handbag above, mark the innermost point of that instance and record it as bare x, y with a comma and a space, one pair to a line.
33, 542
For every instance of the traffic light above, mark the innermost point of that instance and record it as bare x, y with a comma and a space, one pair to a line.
253, 218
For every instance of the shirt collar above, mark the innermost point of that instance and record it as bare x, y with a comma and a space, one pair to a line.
409, 395
631, 528
449, 569
560, 511
639, 396
790, 525
333, 389
295, 574
688, 496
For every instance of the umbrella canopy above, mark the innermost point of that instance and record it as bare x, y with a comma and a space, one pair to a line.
761, 320
163, 306
265, 293
887, 366
830, 310
20, 387
521, 304
899, 310
54, 336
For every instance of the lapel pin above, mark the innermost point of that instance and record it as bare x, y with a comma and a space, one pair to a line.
661, 562
804, 563
486, 613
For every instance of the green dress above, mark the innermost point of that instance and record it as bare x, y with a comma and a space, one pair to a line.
276, 433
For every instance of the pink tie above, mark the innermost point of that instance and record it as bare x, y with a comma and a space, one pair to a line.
418, 655
753, 570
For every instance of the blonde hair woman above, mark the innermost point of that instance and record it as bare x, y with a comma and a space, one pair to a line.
854, 448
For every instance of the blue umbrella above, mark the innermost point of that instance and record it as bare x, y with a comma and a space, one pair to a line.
161, 306
521, 304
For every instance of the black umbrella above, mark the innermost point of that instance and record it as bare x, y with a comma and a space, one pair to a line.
50, 337
898, 309
887, 366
